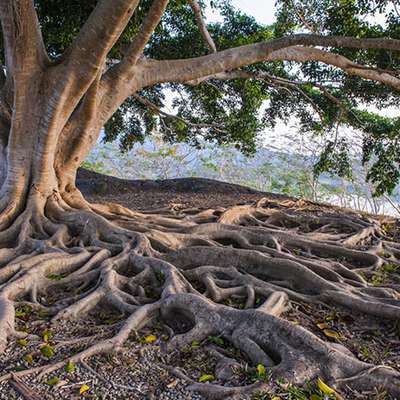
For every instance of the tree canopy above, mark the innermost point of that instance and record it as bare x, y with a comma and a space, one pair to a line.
236, 108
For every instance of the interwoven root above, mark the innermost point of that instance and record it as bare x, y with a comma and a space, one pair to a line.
193, 262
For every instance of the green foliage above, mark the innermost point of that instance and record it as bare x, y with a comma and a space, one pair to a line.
228, 112
53, 381
216, 340
70, 367
335, 158
97, 166
47, 350
355, 18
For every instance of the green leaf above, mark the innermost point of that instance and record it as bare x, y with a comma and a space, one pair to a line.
70, 367
46, 335
216, 340
53, 381
207, 378
261, 371
324, 387
55, 277
20, 313
47, 350
195, 344
28, 358
22, 343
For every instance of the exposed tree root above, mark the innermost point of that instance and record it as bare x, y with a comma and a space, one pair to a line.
182, 266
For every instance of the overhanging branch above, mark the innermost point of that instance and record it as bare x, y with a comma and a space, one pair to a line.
120, 85
162, 113
190, 70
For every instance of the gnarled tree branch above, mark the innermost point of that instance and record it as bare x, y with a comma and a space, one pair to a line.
194, 4
87, 53
193, 69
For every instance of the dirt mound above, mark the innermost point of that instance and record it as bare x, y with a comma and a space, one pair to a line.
153, 194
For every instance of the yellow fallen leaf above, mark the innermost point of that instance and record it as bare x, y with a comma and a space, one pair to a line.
46, 335
83, 389
260, 370
206, 378
150, 339
331, 333
22, 343
323, 325
29, 358
324, 387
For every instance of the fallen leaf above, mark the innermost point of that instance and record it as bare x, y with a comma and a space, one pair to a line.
173, 383
47, 351
53, 381
22, 343
150, 339
324, 387
207, 378
29, 358
70, 367
83, 389
323, 325
331, 333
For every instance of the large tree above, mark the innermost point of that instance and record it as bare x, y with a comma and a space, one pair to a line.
71, 68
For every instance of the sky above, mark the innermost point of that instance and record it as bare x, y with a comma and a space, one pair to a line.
262, 10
